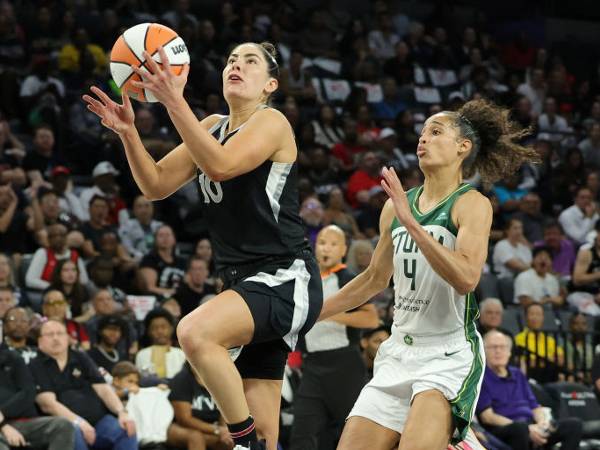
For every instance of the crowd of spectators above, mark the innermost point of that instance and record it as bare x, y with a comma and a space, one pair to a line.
95, 277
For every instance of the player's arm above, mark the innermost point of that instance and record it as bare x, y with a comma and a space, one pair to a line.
264, 136
374, 279
582, 264
462, 266
364, 316
158, 180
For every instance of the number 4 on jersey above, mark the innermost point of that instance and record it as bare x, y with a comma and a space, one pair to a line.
206, 185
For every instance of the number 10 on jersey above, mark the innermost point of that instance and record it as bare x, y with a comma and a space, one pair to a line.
211, 190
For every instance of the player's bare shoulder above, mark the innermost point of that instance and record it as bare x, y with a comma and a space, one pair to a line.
472, 204
209, 121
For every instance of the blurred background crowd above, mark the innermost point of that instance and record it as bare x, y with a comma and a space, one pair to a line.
80, 245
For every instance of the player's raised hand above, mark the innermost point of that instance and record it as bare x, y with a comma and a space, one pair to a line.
161, 81
118, 118
392, 185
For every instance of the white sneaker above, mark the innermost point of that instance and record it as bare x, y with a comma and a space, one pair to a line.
239, 447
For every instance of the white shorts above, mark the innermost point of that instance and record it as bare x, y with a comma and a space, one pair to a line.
407, 365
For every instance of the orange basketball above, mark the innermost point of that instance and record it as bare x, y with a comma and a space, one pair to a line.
128, 51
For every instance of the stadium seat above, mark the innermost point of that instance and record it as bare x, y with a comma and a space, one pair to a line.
511, 320
576, 400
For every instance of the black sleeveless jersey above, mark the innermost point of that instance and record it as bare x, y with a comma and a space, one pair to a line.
255, 215
594, 267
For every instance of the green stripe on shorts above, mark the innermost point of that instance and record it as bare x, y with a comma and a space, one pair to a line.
463, 404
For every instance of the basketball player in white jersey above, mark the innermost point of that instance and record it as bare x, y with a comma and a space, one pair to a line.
245, 164
434, 239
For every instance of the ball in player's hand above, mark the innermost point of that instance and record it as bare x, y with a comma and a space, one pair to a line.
129, 49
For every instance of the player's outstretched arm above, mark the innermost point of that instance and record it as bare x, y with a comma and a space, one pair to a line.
374, 279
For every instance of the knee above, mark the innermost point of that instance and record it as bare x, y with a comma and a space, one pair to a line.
195, 439
61, 425
190, 336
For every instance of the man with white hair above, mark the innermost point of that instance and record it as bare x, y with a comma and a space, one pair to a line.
509, 410
491, 313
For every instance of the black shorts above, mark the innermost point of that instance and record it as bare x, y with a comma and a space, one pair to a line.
285, 298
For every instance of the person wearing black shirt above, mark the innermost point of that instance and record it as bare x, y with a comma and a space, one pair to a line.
191, 292
17, 324
70, 385
105, 353
94, 228
18, 416
161, 269
196, 410
16, 226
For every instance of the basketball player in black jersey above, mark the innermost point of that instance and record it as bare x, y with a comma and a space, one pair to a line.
246, 166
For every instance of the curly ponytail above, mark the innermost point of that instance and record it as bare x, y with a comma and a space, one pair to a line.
496, 152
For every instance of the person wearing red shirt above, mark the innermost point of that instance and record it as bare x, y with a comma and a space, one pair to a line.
367, 176
349, 147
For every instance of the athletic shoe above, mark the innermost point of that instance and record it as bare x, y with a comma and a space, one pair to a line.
469, 443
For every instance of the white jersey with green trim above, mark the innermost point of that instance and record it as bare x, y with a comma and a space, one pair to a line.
426, 304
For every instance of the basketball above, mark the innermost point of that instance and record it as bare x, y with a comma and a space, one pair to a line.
128, 51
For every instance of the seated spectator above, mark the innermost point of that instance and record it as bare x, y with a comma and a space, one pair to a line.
552, 123
45, 207
312, 213
359, 255
203, 249
69, 385
80, 55
538, 284
12, 152
105, 186
585, 290
7, 301
149, 407
46, 260
55, 307
137, 233
561, 249
16, 224
539, 354
105, 306
42, 156
393, 156
66, 279
124, 265
194, 291
368, 218
370, 342
579, 219
111, 331
509, 194
350, 147
17, 325
94, 228
491, 313
580, 349
68, 202
512, 255
391, 105
367, 176
7, 278
19, 421
160, 358
102, 276
590, 147
510, 411
337, 213
327, 132
162, 270
197, 417
530, 215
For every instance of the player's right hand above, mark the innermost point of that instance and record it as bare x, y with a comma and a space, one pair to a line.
118, 118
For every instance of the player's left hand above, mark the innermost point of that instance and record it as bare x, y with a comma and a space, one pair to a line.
392, 185
164, 84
